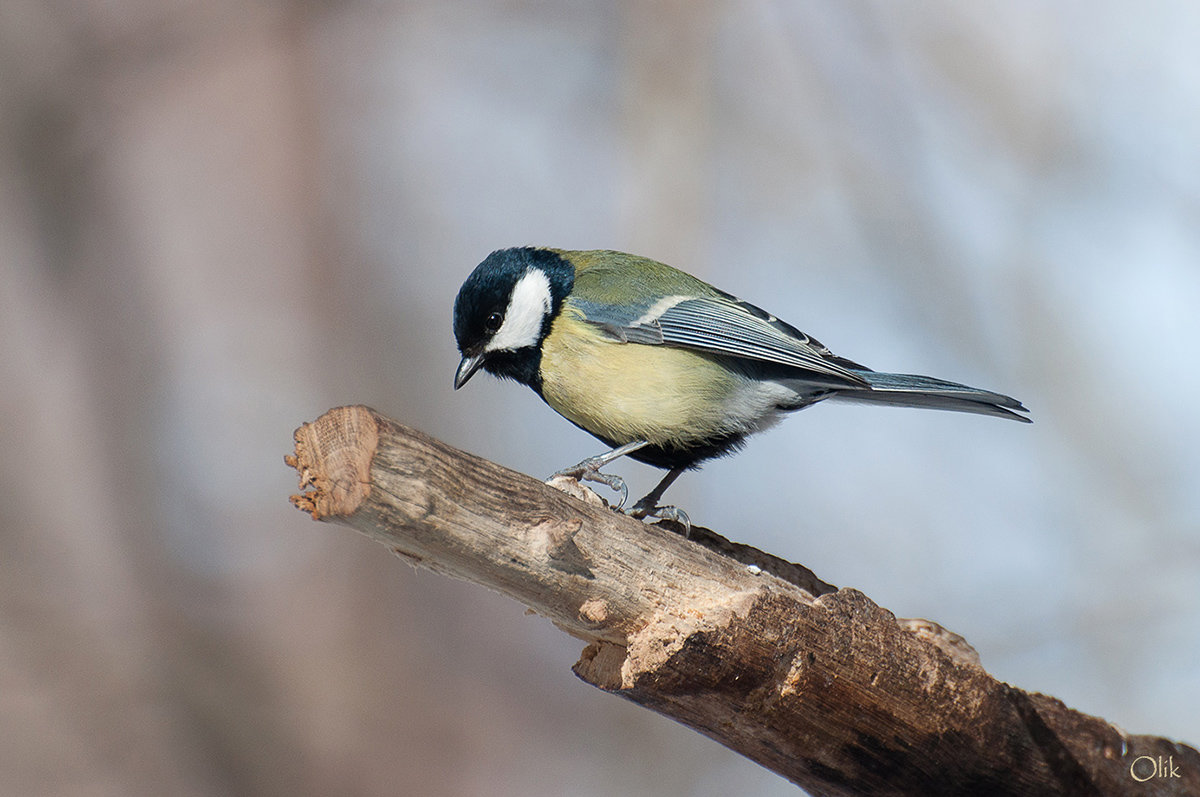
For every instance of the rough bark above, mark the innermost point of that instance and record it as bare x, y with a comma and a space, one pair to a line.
816, 683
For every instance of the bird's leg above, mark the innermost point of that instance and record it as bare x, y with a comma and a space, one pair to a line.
648, 506
589, 469
650, 501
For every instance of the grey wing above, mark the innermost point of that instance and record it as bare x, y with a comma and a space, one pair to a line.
722, 325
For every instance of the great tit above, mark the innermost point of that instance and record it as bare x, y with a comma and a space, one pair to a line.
659, 365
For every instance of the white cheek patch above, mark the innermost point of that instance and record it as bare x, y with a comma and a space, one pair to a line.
528, 307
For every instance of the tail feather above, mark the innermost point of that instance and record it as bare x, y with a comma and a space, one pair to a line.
911, 390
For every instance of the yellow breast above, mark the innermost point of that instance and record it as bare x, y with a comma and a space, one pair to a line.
628, 391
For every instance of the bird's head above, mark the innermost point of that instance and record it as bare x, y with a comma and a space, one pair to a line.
505, 309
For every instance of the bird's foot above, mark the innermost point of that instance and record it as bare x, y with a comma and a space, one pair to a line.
646, 509
589, 471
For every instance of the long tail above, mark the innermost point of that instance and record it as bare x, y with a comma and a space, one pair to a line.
910, 390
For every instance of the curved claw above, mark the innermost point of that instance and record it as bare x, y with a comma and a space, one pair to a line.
587, 471
623, 489
641, 511
613, 482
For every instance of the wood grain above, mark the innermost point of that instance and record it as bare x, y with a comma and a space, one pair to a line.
816, 683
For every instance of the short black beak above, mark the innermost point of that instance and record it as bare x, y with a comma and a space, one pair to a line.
467, 368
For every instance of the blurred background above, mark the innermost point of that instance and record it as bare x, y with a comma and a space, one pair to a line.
218, 219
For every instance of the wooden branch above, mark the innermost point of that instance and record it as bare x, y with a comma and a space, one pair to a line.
816, 683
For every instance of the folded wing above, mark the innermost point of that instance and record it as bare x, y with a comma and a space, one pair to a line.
726, 326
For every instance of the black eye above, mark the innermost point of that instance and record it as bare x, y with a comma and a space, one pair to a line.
493, 322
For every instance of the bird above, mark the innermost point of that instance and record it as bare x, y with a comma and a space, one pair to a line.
659, 365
